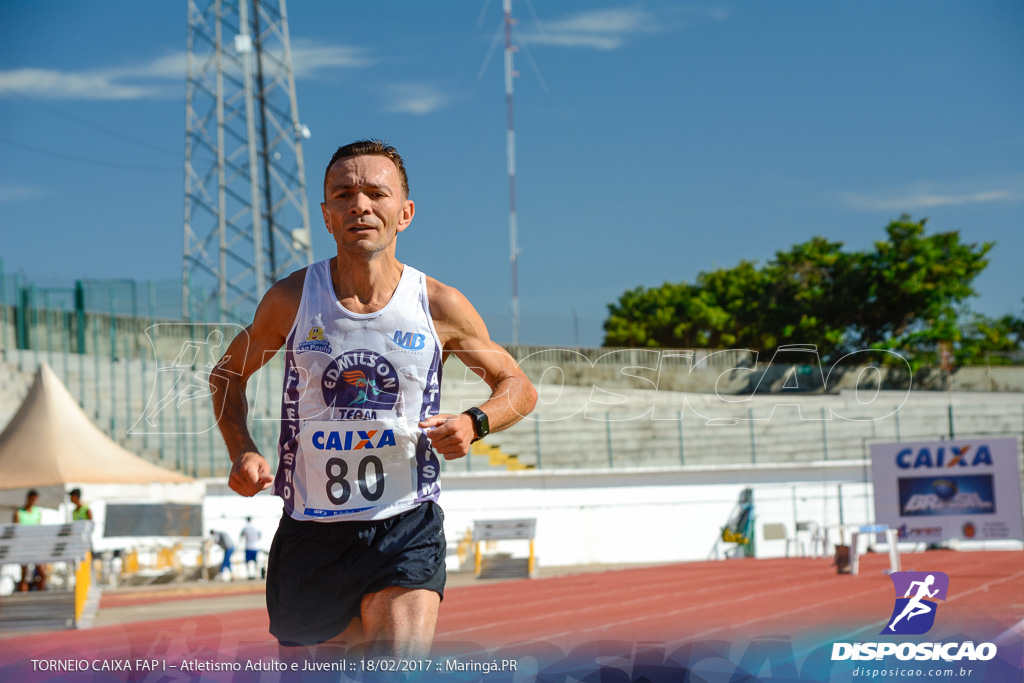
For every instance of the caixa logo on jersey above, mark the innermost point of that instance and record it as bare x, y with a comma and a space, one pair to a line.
360, 379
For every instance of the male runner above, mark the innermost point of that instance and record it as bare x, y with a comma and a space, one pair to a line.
359, 553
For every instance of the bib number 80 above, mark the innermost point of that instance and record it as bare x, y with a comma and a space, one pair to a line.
336, 479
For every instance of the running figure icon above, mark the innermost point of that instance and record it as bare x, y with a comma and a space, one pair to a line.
916, 606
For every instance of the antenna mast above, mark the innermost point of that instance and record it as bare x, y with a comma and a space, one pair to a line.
510, 150
246, 219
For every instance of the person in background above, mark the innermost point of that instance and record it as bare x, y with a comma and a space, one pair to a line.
31, 515
252, 536
228, 546
81, 511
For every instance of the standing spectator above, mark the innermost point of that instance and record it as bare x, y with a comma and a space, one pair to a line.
31, 515
81, 511
252, 536
228, 546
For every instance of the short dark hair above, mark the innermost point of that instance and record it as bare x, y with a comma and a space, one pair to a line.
75, 492
362, 148
32, 492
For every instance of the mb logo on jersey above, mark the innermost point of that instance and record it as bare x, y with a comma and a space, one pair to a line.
914, 612
409, 340
360, 379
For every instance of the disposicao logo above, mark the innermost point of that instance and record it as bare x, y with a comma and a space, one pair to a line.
914, 613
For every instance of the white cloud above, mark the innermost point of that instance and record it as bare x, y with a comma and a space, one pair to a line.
419, 99
19, 193
925, 197
309, 57
89, 85
160, 77
610, 29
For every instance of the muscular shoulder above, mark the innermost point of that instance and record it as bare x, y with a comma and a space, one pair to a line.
280, 304
454, 317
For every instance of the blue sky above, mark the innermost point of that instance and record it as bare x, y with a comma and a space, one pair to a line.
656, 139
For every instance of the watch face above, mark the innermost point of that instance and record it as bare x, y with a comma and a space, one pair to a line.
480, 423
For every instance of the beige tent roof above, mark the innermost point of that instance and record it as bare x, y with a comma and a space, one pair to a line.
51, 442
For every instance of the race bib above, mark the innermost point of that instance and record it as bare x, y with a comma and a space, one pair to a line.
356, 465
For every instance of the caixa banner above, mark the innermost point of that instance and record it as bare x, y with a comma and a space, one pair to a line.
961, 488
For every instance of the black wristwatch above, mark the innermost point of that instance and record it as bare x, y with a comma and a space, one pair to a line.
481, 427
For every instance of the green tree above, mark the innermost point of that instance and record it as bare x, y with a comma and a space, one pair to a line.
990, 341
907, 293
911, 286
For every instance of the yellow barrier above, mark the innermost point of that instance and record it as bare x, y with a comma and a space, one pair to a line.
130, 562
83, 579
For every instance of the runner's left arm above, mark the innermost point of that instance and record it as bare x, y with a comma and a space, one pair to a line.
462, 331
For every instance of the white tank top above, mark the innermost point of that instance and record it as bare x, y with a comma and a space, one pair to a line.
355, 387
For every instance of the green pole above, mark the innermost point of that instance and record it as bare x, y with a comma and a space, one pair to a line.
65, 342
195, 441
96, 363
127, 387
897, 416
113, 358
682, 449
824, 432
19, 314
952, 432
142, 398
536, 436
177, 443
159, 397
3, 305
46, 327
753, 444
33, 328
33, 325
81, 367
156, 365
80, 315
839, 488
209, 433
608, 438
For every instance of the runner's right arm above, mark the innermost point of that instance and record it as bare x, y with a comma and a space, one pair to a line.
247, 353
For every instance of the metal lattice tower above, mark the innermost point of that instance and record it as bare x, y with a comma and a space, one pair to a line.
246, 218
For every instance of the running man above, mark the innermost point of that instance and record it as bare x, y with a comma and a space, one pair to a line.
358, 556
916, 606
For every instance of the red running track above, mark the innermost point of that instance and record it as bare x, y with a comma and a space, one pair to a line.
803, 599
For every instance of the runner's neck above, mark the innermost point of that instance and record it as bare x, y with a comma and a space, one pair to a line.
365, 286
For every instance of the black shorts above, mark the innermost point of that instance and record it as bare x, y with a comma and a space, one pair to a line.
318, 572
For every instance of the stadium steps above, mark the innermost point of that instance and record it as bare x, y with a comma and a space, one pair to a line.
568, 423
498, 457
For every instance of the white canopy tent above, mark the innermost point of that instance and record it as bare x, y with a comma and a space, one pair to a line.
51, 445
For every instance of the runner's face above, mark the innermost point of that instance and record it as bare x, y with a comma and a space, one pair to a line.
365, 206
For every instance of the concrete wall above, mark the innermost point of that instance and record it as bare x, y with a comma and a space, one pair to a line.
629, 516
